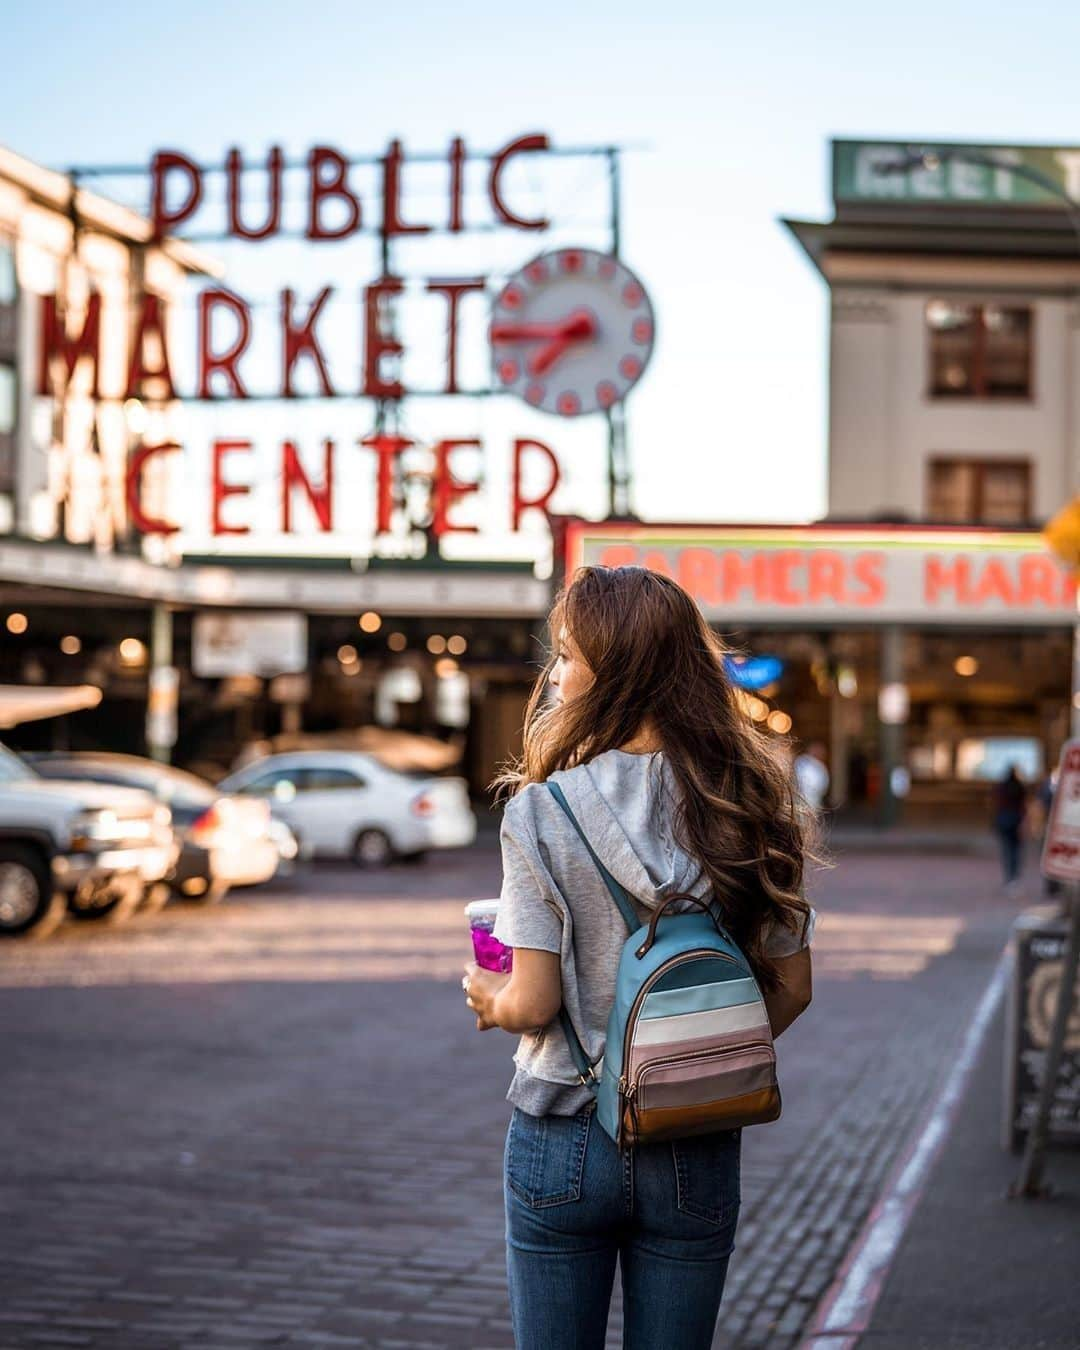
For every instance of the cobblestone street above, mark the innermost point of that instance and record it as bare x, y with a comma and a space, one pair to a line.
271, 1122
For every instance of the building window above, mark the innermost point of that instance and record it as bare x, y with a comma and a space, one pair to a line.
979, 491
979, 351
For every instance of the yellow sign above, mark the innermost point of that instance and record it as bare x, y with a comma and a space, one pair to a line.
1062, 534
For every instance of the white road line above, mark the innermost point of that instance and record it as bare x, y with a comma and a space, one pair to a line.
845, 1311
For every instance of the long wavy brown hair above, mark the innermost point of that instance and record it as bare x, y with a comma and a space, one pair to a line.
657, 666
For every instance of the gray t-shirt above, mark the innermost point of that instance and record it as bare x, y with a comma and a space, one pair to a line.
554, 900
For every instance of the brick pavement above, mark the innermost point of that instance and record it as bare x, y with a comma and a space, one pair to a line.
270, 1123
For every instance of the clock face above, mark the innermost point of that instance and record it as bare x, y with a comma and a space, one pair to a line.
571, 332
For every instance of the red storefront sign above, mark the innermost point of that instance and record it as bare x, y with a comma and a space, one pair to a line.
446, 485
844, 575
252, 209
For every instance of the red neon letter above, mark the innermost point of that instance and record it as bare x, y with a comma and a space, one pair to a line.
618, 555
940, 576
210, 361
321, 499
165, 219
55, 342
498, 163
387, 449
334, 186
520, 503
1040, 582
446, 490
133, 490
453, 290
376, 343
220, 490
234, 169
392, 222
699, 573
151, 321
869, 571
299, 339
457, 184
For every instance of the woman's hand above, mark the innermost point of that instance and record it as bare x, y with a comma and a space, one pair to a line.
481, 986
524, 1000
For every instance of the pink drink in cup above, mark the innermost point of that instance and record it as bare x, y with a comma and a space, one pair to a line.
490, 953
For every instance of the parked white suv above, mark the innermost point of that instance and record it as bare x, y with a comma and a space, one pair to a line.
81, 847
343, 803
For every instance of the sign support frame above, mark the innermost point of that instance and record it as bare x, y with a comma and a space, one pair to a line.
1029, 1184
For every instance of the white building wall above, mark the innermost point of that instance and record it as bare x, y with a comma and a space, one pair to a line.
885, 427
861, 386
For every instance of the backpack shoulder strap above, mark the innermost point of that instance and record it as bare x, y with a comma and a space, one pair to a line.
617, 893
585, 1068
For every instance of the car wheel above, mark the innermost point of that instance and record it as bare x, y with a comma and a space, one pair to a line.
215, 892
372, 848
29, 904
155, 898
107, 904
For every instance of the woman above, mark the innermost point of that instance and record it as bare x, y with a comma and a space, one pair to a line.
677, 792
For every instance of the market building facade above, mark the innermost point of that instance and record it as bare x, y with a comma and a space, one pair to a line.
252, 587
924, 630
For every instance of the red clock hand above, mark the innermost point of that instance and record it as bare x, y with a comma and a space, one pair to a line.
526, 332
577, 327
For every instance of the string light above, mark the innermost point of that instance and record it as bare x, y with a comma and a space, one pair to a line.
132, 652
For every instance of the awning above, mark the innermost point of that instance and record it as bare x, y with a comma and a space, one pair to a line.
29, 703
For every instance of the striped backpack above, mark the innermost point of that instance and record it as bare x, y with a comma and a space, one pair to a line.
689, 1048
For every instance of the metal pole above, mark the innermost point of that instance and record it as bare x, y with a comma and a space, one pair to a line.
1029, 1183
161, 659
891, 734
1074, 718
618, 458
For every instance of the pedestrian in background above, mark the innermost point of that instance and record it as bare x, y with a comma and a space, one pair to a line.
1010, 807
812, 775
678, 792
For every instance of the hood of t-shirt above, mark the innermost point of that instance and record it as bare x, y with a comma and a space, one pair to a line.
625, 804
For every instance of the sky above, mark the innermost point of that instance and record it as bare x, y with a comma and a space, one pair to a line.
726, 112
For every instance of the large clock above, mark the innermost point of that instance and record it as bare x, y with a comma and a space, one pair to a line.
571, 332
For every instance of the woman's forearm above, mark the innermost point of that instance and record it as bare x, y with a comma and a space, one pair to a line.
516, 1011
783, 1008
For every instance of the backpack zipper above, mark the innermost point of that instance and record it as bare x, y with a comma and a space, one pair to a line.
634, 1087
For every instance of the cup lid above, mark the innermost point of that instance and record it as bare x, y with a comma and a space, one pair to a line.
481, 909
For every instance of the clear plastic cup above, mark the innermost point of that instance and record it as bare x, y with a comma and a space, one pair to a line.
490, 953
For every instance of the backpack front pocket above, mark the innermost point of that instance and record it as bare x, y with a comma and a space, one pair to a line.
702, 1092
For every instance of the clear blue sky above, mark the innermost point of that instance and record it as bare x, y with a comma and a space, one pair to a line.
733, 106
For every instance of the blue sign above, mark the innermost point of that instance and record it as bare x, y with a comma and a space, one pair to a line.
753, 672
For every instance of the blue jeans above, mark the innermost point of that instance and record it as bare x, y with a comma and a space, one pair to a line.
574, 1204
1011, 853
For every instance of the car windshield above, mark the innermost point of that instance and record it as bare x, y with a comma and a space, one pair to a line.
12, 768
